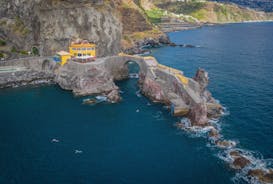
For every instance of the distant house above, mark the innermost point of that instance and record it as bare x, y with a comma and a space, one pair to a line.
80, 51
62, 57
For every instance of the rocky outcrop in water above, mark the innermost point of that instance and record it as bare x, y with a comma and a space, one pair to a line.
153, 90
262, 175
87, 79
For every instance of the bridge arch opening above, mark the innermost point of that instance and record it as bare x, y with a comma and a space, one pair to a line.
129, 86
133, 69
46, 65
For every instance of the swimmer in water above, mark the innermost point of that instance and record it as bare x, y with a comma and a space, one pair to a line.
55, 140
78, 152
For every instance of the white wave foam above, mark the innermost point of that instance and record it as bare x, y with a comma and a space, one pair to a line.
256, 159
196, 131
225, 111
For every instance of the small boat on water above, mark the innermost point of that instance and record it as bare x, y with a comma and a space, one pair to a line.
78, 151
133, 76
101, 98
89, 101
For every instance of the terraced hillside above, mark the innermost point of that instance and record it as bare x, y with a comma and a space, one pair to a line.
213, 12
264, 5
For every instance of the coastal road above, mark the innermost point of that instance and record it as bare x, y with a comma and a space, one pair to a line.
10, 69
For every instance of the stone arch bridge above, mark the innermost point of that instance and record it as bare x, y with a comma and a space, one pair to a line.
160, 83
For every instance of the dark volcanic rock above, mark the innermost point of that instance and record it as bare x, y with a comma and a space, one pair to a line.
153, 90
234, 153
164, 39
262, 175
114, 96
214, 134
198, 115
24, 78
202, 78
85, 79
140, 46
240, 162
225, 144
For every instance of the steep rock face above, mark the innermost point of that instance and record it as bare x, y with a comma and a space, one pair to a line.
202, 78
133, 21
50, 24
213, 108
87, 80
198, 114
153, 90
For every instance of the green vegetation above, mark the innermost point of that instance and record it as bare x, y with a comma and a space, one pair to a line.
155, 15
19, 27
213, 12
221, 9
13, 49
183, 7
3, 22
1, 55
35, 51
23, 52
2, 42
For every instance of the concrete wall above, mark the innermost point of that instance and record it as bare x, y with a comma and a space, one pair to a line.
35, 63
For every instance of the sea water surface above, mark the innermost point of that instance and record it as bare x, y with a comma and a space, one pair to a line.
48, 136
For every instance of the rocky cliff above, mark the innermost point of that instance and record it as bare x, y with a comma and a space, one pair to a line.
49, 25
42, 27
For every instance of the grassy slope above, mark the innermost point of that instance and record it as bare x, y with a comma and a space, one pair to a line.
132, 32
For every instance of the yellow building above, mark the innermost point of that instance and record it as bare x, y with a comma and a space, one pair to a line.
63, 56
83, 49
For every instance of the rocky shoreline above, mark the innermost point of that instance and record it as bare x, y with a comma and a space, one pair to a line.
143, 47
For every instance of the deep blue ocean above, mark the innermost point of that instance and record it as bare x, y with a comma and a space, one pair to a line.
136, 141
